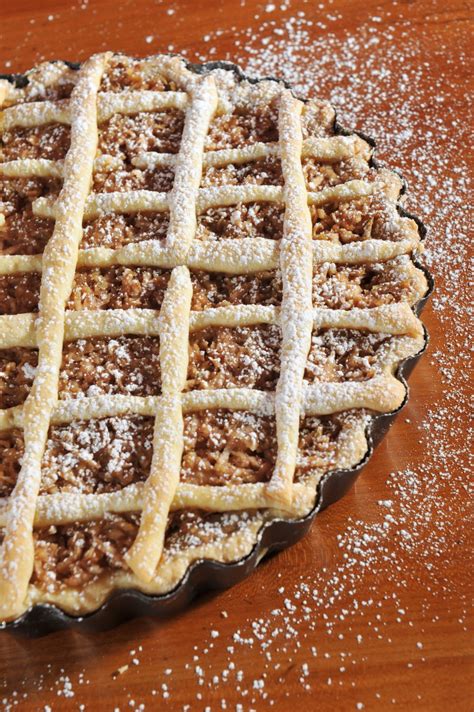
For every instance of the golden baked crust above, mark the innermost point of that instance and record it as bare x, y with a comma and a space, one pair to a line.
205, 294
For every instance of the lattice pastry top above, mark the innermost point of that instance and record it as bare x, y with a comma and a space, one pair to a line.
205, 293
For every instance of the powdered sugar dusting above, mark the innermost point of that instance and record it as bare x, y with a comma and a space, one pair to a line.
319, 634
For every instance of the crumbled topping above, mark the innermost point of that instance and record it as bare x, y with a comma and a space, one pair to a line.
363, 286
240, 357
319, 442
125, 365
100, 456
76, 555
49, 141
23, 232
133, 75
343, 355
322, 175
227, 447
242, 128
116, 230
11, 451
355, 220
17, 371
127, 136
215, 289
266, 171
19, 292
123, 180
241, 220
118, 287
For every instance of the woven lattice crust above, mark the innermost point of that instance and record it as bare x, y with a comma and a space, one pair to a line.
153, 178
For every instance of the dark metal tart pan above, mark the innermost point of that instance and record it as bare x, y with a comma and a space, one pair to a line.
206, 575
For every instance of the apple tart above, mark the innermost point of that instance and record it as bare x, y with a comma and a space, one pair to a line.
206, 291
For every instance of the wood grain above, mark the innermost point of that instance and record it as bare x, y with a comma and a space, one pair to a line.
377, 619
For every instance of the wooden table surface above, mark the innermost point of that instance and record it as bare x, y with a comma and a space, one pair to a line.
371, 610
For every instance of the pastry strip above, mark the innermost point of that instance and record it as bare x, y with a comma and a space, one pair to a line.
59, 260
296, 319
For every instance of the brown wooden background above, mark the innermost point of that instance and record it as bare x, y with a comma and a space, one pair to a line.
377, 619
